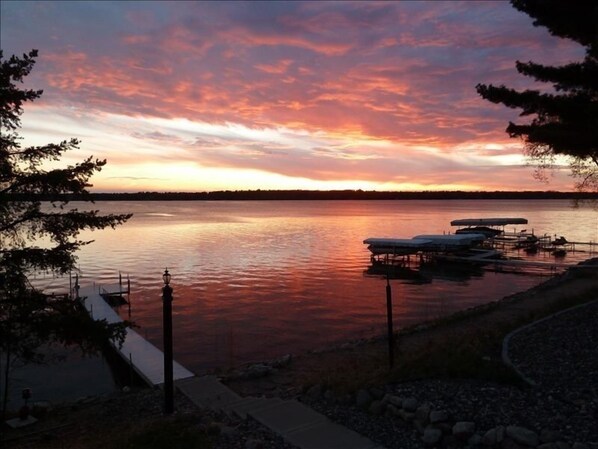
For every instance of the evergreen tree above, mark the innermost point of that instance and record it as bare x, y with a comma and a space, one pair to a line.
38, 236
565, 120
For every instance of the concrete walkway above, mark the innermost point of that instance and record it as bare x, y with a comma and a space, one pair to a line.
294, 421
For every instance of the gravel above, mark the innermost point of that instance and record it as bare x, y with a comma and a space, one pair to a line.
560, 355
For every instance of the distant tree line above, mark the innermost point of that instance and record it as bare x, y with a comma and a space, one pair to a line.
298, 195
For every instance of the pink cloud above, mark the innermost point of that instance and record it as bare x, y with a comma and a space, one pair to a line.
404, 72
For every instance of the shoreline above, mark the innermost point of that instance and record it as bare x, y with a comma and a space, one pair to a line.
332, 381
287, 376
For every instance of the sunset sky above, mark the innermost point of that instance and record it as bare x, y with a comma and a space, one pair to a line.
196, 96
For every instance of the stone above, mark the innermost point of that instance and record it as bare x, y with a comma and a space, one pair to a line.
463, 429
508, 443
345, 399
315, 391
363, 398
329, 395
258, 370
422, 413
410, 404
377, 393
420, 426
562, 445
213, 428
394, 400
282, 361
549, 436
392, 410
431, 436
437, 416
253, 443
493, 436
578, 445
405, 415
548, 446
475, 440
523, 436
446, 427
376, 408
228, 431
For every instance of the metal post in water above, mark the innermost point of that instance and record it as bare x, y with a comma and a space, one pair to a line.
391, 352
167, 329
77, 286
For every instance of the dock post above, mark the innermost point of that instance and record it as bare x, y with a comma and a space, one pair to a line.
391, 352
167, 330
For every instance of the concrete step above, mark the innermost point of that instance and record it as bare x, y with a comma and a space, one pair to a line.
292, 420
250, 404
208, 392
326, 434
308, 429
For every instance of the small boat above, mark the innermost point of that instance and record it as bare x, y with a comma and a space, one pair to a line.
423, 243
490, 227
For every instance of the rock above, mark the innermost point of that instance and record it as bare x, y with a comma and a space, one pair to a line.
394, 400
410, 404
363, 399
508, 443
253, 443
431, 436
213, 428
577, 445
422, 413
329, 395
405, 415
282, 361
377, 393
523, 436
549, 436
437, 416
376, 408
493, 436
345, 399
256, 371
474, 440
315, 391
463, 429
392, 410
562, 445
41, 408
548, 446
228, 430
419, 425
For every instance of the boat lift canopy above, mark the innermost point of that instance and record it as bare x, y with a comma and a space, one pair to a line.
488, 221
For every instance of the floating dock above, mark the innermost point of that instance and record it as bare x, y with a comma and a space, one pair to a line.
143, 357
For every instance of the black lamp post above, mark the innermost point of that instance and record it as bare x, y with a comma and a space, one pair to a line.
391, 340
167, 329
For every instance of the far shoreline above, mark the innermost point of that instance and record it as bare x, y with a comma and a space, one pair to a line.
316, 195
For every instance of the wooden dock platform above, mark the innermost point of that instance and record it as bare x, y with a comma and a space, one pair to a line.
144, 357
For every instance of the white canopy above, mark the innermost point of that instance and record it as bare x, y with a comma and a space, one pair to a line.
488, 221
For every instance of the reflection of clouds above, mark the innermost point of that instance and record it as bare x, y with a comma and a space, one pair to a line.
370, 91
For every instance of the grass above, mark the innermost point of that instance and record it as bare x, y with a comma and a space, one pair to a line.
180, 432
466, 345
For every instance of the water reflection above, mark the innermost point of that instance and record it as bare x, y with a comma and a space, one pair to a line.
255, 280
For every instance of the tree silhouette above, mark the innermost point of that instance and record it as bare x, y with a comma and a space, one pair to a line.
565, 121
40, 237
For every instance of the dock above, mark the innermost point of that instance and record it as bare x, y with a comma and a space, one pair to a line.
295, 422
145, 359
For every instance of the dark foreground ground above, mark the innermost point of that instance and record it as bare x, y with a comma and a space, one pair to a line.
449, 387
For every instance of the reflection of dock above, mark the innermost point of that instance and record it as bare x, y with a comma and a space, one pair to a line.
143, 357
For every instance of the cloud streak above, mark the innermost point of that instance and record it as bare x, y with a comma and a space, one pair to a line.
304, 92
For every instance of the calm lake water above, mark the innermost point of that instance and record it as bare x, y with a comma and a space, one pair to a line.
256, 280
